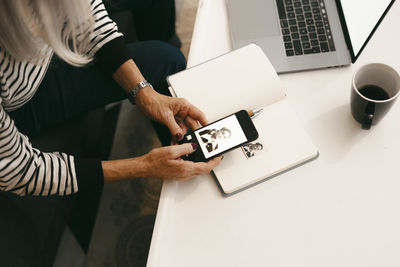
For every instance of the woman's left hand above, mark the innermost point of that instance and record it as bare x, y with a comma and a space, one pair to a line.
176, 113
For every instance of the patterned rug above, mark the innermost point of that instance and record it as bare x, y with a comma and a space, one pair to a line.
124, 226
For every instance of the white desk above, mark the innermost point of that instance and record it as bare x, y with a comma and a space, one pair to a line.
339, 210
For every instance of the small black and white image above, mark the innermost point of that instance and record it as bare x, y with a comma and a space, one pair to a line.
210, 137
220, 136
252, 149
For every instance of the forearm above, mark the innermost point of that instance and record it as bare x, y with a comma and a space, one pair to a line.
115, 170
128, 75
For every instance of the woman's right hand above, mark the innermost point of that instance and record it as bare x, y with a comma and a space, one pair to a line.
166, 163
163, 163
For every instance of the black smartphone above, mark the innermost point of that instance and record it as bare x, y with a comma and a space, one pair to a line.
221, 136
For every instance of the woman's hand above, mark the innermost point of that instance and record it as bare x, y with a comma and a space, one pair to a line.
166, 163
176, 113
163, 163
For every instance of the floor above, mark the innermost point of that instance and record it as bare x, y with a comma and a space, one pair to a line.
127, 210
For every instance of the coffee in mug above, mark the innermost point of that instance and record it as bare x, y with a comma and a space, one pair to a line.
375, 88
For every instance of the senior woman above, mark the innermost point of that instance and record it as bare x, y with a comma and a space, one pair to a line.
60, 59
79, 32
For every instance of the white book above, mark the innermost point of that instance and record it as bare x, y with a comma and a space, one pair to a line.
245, 79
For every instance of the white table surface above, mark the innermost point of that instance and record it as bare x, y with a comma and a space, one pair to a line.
342, 209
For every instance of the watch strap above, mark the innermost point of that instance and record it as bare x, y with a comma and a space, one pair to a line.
135, 90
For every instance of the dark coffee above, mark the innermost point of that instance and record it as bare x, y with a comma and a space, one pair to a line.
374, 92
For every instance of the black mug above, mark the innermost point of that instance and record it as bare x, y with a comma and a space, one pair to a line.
375, 87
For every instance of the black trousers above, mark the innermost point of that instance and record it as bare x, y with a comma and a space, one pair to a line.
153, 19
32, 226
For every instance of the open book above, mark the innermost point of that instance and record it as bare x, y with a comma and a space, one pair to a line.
245, 79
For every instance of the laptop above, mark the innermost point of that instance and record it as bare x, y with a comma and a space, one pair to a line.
301, 35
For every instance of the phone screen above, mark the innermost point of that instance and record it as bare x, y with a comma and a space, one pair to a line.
220, 136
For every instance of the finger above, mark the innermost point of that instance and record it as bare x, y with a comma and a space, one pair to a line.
191, 123
206, 167
184, 126
193, 112
193, 169
174, 128
178, 151
197, 168
198, 115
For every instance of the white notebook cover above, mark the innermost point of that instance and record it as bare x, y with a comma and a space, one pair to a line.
245, 79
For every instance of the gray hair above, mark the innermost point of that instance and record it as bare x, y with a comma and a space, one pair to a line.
28, 28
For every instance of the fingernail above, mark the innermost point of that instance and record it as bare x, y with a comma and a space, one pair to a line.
178, 137
194, 145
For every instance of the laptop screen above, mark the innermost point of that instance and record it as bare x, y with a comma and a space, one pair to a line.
362, 18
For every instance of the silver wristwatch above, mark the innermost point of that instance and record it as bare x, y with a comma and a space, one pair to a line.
135, 90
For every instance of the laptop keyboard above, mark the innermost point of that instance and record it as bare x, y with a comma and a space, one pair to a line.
305, 27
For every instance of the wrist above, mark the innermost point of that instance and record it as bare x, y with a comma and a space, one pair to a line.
135, 90
146, 96
128, 75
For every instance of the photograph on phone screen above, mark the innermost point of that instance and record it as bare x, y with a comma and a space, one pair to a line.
220, 136
253, 148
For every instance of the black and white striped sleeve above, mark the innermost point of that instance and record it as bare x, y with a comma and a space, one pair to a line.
25, 170
107, 43
104, 29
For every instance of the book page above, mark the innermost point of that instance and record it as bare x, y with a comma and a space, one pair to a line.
242, 79
282, 144
245, 79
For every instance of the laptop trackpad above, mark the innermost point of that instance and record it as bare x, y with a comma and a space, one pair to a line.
253, 18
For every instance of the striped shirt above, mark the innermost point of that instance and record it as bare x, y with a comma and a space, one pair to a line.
24, 170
